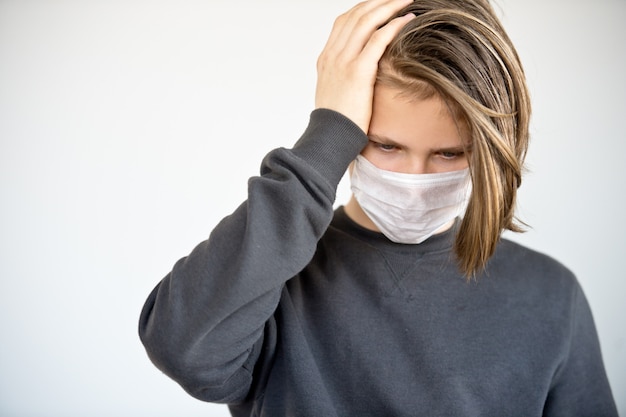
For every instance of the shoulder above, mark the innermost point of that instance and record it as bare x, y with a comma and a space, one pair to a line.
528, 260
534, 273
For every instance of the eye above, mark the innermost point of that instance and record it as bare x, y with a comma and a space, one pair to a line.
451, 155
384, 147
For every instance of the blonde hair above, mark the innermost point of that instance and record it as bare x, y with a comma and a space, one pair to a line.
460, 49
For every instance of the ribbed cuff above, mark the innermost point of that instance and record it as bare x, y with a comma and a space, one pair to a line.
330, 142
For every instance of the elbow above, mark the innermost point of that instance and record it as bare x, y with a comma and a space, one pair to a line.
201, 374
200, 377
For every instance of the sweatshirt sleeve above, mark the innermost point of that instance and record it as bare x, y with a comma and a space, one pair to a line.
580, 386
203, 323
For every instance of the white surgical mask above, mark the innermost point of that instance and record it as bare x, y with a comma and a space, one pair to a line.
409, 208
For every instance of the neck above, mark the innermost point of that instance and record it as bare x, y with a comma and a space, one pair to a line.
355, 212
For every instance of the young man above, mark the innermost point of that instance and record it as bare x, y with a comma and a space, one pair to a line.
405, 302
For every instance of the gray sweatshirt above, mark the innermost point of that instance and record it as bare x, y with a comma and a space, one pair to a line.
290, 308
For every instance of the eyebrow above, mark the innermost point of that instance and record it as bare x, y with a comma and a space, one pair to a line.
384, 139
388, 141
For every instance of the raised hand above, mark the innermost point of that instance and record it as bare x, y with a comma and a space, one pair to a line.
347, 67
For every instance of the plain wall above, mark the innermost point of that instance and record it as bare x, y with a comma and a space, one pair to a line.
128, 129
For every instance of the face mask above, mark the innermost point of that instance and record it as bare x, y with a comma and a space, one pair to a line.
409, 208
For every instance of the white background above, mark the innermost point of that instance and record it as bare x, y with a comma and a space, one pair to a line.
129, 128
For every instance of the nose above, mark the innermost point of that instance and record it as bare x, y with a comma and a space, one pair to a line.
414, 165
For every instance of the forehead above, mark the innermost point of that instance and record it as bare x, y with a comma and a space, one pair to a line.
415, 121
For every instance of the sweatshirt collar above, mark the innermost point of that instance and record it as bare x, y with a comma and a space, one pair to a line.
439, 242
